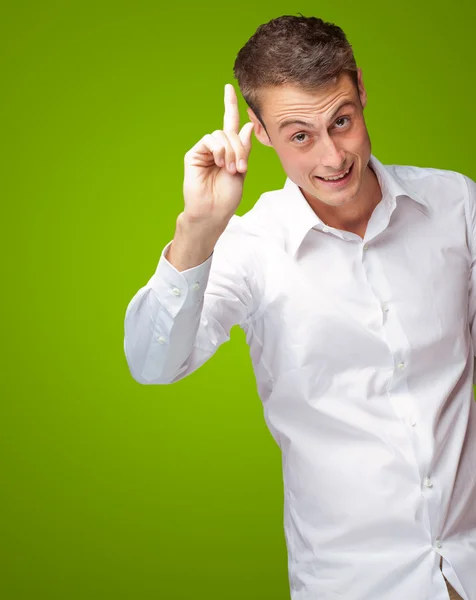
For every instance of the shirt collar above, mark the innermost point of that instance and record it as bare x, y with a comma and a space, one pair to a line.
300, 218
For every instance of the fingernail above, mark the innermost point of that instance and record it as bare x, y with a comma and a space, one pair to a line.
232, 166
242, 165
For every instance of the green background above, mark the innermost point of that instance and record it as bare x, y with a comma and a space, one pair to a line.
110, 489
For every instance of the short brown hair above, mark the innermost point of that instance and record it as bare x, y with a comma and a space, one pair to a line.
305, 51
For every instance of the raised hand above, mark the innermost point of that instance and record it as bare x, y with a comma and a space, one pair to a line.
215, 169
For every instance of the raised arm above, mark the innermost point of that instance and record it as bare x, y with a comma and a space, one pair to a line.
186, 310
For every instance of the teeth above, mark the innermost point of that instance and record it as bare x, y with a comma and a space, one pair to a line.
336, 178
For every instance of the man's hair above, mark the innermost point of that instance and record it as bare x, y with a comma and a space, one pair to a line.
297, 50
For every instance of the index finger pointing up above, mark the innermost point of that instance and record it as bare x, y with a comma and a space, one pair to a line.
231, 119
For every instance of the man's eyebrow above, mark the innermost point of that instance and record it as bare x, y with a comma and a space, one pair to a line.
288, 122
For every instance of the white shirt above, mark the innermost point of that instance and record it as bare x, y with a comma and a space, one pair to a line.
363, 352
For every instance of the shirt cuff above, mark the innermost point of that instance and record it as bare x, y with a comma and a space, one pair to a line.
179, 290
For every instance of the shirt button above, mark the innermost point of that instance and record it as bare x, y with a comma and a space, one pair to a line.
195, 286
438, 544
176, 291
384, 308
326, 229
413, 423
161, 340
427, 482
366, 247
401, 365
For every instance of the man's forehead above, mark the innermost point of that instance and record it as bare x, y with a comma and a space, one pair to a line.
278, 103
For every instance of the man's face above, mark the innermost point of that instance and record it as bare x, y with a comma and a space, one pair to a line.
318, 134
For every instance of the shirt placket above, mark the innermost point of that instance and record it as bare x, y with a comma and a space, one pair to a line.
414, 442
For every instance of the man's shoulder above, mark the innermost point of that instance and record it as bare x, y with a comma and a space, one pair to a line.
422, 176
417, 172
259, 228
264, 216
436, 186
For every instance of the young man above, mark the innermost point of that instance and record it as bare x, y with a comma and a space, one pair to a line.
355, 287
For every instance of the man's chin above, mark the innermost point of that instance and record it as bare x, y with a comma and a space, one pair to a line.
335, 198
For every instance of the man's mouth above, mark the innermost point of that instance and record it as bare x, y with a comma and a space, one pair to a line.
339, 179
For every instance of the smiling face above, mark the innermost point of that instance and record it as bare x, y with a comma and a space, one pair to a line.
318, 135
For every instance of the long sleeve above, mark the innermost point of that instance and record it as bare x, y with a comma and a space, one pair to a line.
470, 193
178, 320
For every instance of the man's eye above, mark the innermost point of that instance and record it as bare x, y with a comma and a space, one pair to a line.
300, 136
342, 119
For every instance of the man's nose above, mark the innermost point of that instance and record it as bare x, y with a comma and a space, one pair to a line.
331, 157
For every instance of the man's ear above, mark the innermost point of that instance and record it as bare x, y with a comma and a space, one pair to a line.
362, 92
260, 131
